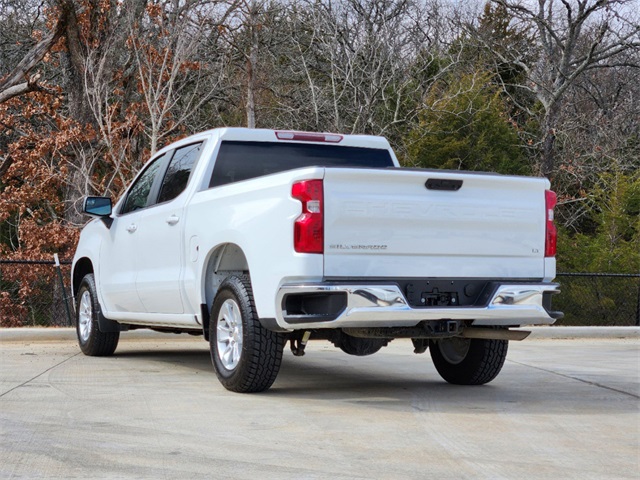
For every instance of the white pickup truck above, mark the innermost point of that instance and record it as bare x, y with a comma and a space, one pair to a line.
258, 237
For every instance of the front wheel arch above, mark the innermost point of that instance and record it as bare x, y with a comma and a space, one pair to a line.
82, 267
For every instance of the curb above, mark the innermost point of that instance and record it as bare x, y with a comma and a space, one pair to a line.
37, 334
559, 333
64, 334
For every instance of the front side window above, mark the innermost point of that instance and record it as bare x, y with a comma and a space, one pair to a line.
139, 192
177, 176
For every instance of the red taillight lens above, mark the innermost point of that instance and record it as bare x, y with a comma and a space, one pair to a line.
551, 238
308, 230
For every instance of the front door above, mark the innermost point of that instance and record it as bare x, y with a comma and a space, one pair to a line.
118, 255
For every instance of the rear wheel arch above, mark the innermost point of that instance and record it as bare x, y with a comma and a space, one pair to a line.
222, 261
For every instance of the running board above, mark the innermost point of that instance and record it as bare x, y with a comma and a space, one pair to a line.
494, 334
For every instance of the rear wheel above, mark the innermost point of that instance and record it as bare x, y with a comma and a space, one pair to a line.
92, 341
465, 361
245, 355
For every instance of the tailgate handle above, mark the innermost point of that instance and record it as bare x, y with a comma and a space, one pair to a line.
443, 184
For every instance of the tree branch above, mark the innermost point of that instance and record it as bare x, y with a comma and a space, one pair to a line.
14, 84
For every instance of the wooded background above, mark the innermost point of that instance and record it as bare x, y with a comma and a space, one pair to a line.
90, 89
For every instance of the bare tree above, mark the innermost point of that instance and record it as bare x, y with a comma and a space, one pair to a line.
574, 36
360, 66
596, 137
175, 78
245, 32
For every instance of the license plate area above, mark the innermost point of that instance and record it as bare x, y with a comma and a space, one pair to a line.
446, 293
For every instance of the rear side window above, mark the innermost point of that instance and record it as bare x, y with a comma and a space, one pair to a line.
177, 176
239, 161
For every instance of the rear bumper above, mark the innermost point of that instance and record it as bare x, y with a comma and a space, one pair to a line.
386, 306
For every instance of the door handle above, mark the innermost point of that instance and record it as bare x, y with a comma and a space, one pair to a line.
173, 219
132, 228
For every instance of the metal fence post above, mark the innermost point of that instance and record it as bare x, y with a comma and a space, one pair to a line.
64, 292
638, 306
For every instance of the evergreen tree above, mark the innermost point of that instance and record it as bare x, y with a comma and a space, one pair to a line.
465, 127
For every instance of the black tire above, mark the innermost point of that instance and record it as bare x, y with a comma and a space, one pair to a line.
253, 365
360, 347
464, 361
92, 341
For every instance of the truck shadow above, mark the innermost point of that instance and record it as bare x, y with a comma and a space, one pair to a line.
199, 359
411, 384
421, 389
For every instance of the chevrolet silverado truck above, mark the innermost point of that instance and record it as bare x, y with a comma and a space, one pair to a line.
254, 238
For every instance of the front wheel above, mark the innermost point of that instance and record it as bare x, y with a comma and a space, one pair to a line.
245, 355
465, 361
92, 341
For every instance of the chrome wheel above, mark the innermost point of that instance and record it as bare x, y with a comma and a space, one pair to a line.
229, 334
85, 316
246, 357
454, 349
91, 339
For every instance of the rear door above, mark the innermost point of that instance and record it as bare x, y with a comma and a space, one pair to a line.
409, 223
160, 248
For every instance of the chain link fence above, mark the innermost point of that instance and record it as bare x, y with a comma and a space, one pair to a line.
603, 299
33, 294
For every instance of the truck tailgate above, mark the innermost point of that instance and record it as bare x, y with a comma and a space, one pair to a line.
388, 224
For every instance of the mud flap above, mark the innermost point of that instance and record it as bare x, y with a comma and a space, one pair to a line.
109, 326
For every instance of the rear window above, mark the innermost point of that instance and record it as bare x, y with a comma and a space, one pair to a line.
239, 161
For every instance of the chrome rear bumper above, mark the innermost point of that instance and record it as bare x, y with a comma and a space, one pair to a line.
386, 306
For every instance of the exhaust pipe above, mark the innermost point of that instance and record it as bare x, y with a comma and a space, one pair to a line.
494, 334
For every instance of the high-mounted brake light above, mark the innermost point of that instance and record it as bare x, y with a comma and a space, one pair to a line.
308, 230
309, 137
551, 235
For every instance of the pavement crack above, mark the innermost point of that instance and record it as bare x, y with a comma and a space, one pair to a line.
39, 375
595, 384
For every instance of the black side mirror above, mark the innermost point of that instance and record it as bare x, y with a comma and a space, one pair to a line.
97, 206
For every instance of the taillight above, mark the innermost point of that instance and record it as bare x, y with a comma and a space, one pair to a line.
308, 230
551, 236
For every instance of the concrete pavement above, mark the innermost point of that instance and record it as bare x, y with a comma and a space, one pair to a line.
559, 409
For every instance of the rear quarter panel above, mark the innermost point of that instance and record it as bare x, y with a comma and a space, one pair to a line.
256, 215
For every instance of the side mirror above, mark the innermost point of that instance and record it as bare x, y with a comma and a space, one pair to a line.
97, 206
